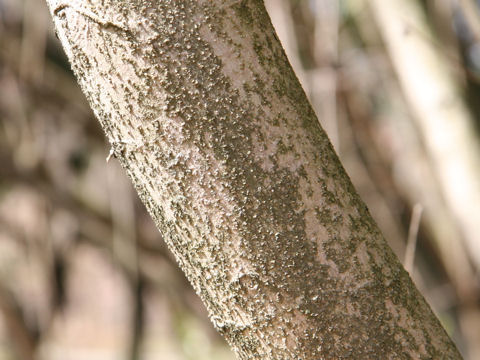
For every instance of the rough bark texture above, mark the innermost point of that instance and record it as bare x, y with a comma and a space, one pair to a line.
205, 114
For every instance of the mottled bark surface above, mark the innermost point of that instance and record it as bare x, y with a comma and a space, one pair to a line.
208, 119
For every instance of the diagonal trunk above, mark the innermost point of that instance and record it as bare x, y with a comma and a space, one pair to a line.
205, 114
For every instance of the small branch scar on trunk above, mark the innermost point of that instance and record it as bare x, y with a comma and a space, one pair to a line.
128, 146
110, 154
88, 14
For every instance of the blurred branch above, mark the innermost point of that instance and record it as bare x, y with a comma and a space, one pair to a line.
457, 67
323, 78
412, 237
34, 40
442, 117
138, 314
472, 14
23, 339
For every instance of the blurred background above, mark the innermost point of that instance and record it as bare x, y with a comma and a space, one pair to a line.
84, 274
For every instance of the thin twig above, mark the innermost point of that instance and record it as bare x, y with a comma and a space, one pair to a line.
412, 237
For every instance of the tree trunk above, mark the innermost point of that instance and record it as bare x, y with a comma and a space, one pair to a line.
205, 114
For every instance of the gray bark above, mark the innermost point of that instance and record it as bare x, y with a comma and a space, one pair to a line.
205, 114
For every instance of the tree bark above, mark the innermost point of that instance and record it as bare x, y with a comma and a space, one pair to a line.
203, 111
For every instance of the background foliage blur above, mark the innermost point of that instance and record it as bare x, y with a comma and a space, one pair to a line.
84, 274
